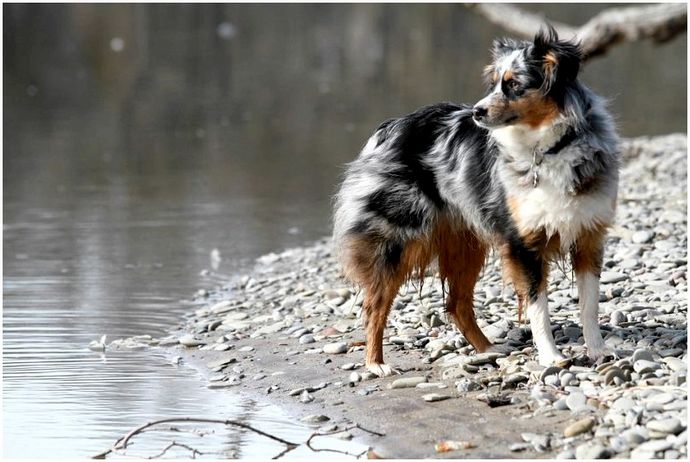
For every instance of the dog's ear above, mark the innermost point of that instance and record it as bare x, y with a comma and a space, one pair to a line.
560, 59
501, 46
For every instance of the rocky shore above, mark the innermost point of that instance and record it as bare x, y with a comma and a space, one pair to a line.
291, 332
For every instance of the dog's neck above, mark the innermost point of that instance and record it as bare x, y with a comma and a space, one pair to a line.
520, 141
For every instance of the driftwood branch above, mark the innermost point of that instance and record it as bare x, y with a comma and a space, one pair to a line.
659, 23
122, 443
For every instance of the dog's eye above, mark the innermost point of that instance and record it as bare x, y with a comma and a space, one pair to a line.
513, 84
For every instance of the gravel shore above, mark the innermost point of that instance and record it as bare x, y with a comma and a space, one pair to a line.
291, 332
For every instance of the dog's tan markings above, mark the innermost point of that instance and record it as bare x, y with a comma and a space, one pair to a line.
507, 75
534, 109
461, 258
550, 61
381, 283
588, 251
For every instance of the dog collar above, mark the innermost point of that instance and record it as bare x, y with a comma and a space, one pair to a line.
537, 157
567, 138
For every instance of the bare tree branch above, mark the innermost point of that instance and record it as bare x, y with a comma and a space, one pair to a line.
121, 444
660, 23
518, 21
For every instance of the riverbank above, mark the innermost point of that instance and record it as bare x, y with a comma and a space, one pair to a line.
290, 333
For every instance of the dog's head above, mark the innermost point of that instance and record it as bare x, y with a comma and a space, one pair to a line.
527, 81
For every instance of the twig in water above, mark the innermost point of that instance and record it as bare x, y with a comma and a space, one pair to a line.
333, 432
122, 442
181, 445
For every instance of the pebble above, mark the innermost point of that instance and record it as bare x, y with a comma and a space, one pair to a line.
433, 397
611, 277
581, 426
642, 237
649, 449
484, 358
335, 348
591, 451
306, 338
611, 375
305, 397
642, 354
623, 404
407, 382
314, 419
671, 425
643, 366
190, 341
576, 401
465, 385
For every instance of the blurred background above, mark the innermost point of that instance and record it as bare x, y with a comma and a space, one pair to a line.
139, 138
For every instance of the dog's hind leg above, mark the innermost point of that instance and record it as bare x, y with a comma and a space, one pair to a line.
461, 258
381, 266
377, 305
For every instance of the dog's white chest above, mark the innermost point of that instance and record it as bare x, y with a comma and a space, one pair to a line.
551, 207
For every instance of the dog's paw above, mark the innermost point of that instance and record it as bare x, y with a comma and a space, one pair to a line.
554, 359
381, 370
599, 355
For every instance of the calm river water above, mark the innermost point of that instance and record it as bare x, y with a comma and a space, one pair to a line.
138, 138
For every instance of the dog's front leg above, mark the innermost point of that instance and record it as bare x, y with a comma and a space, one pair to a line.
528, 272
587, 261
540, 322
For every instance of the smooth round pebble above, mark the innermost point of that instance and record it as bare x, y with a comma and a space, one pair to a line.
335, 348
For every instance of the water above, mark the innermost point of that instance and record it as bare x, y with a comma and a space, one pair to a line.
139, 138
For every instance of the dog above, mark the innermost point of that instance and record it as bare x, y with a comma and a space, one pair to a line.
531, 171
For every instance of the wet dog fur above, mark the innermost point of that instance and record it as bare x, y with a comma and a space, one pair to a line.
531, 170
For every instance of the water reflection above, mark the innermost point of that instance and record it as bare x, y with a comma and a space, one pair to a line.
139, 138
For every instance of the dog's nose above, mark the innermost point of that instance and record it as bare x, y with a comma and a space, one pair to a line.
479, 112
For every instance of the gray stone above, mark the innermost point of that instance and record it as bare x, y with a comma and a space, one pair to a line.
618, 317
568, 454
335, 348
190, 341
643, 366
591, 451
670, 425
612, 374
661, 398
306, 338
581, 426
635, 435
484, 358
576, 401
355, 378
305, 397
407, 382
642, 237
641, 353
466, 385
611, 277
540, 442
551, 370
623, 404
560, 405
432, 397
315, 419
649, 449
